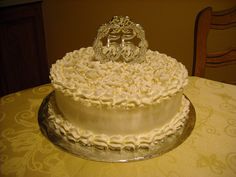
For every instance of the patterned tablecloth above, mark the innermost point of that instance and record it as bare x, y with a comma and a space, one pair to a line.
209, 151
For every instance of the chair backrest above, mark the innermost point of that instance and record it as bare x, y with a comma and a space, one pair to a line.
205, 21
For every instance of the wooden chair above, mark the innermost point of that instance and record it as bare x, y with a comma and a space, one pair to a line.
205, 21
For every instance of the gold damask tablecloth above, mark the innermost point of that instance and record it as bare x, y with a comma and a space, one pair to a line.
208, 152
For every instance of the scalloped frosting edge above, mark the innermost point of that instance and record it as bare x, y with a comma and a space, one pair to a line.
147, 140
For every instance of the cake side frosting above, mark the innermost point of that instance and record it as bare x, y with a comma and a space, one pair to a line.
146, 140
118, 84
110, 121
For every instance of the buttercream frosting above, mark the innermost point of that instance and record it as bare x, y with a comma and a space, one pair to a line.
146, 140
118, 84
118, 105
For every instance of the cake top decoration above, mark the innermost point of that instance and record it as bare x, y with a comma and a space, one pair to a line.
120, 40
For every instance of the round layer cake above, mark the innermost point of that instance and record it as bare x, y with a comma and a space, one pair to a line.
118, 105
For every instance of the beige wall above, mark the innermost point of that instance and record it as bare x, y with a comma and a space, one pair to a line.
169, 24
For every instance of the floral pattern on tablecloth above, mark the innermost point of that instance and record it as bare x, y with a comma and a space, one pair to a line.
209, 151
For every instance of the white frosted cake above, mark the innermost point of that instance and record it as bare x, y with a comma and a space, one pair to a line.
118, 105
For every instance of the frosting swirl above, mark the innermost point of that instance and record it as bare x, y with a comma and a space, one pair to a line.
118, 84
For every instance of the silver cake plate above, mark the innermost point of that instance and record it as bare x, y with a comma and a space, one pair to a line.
92, 153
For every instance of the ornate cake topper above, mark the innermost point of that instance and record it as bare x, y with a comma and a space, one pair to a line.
120, 40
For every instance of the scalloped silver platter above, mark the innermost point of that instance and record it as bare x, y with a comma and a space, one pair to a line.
92, 153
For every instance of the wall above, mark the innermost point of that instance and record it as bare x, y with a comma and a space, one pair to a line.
169, 24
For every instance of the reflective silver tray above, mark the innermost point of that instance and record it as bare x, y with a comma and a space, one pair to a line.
92, 153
